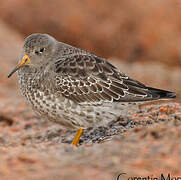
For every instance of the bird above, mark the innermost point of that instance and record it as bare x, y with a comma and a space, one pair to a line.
73, 87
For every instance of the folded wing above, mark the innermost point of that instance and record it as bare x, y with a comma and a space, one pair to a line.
86, 78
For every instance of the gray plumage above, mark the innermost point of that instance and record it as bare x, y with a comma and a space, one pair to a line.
76, 88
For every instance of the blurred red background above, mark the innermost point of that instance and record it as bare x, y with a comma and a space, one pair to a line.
134, 31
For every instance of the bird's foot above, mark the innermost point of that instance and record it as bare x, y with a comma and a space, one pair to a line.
76, 140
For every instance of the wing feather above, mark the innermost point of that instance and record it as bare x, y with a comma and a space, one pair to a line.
86, 78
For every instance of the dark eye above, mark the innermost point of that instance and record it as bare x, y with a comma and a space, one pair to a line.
40, 51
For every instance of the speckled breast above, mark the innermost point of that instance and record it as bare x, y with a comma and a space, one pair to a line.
41, 98
49, 104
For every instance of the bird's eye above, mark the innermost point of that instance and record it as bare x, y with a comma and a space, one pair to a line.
42, 49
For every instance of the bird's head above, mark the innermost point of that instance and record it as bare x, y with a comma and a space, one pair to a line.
37, 50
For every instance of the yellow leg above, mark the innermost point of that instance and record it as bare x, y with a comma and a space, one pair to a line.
76, 140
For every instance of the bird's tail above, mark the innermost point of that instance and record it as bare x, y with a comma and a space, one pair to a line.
162, 93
